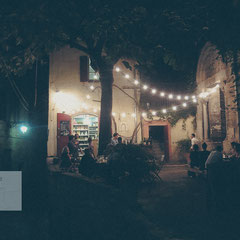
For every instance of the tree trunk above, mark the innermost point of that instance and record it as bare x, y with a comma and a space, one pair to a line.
106, 79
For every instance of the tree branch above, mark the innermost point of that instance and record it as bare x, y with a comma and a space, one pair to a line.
79, 47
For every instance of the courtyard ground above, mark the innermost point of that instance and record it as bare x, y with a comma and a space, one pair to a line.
177, 208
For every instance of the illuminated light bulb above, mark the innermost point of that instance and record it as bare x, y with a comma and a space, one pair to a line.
117, 69
217, 86
144, 114
154, 91
113, 114
136, 82
145, 87
186, 97
95, 77
95, 110
193, 97
170, 96
154, 113
164, 110
23, 129
133, 114
127, 76
184, 104
123, 115
194, 100
179, 97
92, 87
162, 94
88, 97
174, 108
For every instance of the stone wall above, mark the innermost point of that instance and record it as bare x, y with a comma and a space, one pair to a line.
217, 118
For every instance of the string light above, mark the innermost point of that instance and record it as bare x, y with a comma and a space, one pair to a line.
145, 87
118, 69
133, 115
174, 108
144, 114
113, 114
179, 97
186, 97
170, 96
136, 82
184, 104
162, 94
92, 87
193, 97
127, 76
194, 100
164, 110
95, 110
88, 96
95, 76
154, 91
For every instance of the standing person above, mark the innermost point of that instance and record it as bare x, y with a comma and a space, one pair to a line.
91, 147
203, 156
87, 165
114, 140
194, 160
194, 140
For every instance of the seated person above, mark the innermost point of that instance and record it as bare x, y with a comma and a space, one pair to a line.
88, 164
65, 158
72, 146
114, 140
203, 156
91, 147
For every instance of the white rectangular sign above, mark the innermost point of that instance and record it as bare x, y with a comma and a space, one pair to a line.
10, 190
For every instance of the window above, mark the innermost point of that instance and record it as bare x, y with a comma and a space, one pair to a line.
87, 73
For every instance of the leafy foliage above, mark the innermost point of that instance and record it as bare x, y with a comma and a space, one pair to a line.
184, 145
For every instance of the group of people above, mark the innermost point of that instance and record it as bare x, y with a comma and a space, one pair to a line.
87, 164
223, 172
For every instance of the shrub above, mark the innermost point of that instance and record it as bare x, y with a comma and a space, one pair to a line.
184, 145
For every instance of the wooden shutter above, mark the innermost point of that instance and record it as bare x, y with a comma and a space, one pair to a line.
84, 69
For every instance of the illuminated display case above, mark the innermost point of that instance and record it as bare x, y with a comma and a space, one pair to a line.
85, 126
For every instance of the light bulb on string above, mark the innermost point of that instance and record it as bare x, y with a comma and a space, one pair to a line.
194, 100
113, 114
164, 110
133, 115
179, 97
144, 114
123, 114
170, 96
117, 69
88, 96
127, 76
136, 82
95, 76
162, 94
92, 87
95, 110
186, 97
154, 113
154, 91
193, 97
174, 108
145, 87
184, 104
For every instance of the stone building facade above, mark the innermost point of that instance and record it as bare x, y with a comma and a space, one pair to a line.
217, 115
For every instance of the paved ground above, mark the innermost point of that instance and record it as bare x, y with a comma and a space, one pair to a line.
177, 208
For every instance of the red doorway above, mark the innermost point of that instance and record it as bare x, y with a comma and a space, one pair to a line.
63, 131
